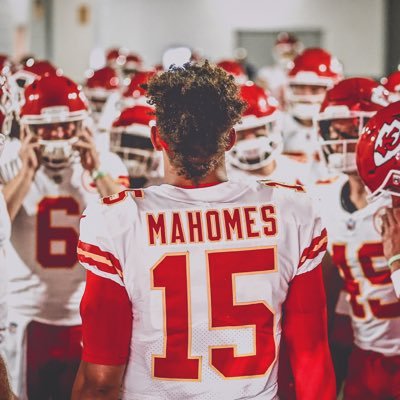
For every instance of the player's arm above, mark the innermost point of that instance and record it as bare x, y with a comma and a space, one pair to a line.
391, 244
90, 160
333, 284
17, 188
305, 332
106, 313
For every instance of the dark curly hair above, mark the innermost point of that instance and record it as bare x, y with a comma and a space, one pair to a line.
196, 105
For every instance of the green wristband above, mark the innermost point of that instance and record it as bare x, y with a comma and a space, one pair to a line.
97, 174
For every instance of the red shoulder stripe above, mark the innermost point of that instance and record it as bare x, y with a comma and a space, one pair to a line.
318, 244
103, 260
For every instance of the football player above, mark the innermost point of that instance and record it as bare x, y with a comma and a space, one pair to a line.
61, 173
378, 155
258, 149
130, 140
274, 78
209, 273
312, 73
355, 242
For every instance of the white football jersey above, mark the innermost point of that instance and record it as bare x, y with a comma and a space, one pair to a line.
207, 271
287, 170
355, 244
46, 283
301, 141
5, 230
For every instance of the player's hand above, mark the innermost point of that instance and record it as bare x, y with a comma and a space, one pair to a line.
28, 153
87, 150
391, 233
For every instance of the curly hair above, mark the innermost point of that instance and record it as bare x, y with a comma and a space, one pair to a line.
195, 106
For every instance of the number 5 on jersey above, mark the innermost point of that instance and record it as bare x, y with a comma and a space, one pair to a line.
171, 275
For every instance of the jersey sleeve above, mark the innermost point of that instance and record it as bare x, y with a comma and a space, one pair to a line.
96, 250
396, 282
313, 238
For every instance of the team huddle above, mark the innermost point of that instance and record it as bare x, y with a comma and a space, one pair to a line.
184, 232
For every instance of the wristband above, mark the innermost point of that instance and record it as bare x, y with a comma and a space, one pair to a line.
97, 174
393, 259
396, 281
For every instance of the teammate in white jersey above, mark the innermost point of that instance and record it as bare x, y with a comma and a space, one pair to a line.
209, 273
312, 73
130, 140
258, 150
355, 243
45, 201
273, 78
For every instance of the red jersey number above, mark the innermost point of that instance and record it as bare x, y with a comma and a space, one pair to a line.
171, 275
366, 255
48, 235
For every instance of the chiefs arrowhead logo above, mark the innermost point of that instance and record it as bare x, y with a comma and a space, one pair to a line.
387, 144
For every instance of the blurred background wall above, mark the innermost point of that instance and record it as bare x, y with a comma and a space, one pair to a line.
68, 32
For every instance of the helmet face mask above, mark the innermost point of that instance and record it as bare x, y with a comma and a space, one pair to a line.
256, 147
136, 151
56, 142
338, 139
304, 100
53, 111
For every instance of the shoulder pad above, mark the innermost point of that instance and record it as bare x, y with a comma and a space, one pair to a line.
121, 196
297, 188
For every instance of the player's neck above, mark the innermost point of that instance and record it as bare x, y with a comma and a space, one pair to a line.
217, 175
358, 194
266, 170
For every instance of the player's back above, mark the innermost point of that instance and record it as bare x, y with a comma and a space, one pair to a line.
207, 271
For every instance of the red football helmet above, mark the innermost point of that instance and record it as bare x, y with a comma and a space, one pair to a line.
286, 48
259, 139
234, 68
34, 69
378, 152
115, 57
99, 85
134, 93
313, 72
53, 111
392, 84
130, 139
345, 110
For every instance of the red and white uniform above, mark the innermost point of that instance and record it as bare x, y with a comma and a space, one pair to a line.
206, 320
301, 142
286, 170
45, 282
355, 244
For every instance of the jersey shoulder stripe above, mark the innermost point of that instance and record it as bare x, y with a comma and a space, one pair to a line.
318, 245
96, 257
275, 184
